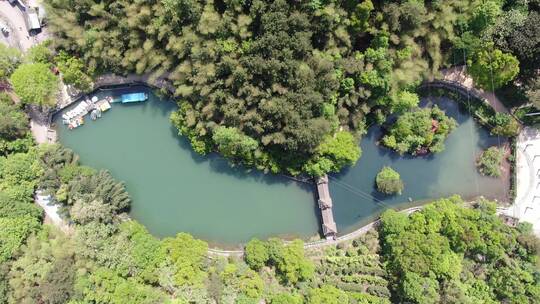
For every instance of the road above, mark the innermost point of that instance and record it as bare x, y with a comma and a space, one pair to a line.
14, 17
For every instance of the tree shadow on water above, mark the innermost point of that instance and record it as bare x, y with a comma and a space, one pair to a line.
220, 165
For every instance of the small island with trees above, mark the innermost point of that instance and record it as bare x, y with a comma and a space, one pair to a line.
389, 182
490, 161
419, 132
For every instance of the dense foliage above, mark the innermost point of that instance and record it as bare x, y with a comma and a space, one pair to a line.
73, 71
10, 58
419, 132
14, 127
450, 253
446, 252
493, 69
280, 77
388, 181
34, 83
283, 86
489, 162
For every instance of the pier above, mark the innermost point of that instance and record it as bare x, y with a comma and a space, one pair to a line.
329, 227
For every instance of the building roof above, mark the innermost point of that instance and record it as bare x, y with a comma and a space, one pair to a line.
32, 19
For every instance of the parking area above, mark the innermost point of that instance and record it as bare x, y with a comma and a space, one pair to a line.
12, 17
527, 204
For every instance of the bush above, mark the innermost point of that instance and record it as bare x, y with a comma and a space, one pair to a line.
489, 162
389, 182
504, 125
9, 60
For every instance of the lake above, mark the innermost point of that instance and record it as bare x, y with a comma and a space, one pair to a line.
176, 190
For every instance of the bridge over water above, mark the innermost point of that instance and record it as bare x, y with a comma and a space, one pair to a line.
329, 227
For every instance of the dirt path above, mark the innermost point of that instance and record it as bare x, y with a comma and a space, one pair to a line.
458, 74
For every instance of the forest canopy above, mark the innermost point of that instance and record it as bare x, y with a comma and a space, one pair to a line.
281, 76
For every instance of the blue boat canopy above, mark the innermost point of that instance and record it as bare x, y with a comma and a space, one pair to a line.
134, 97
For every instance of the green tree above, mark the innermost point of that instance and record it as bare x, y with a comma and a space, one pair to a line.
10, 58
491, 69
45, 272
485, 14
13, 121
290, 261
334, 153
187, 256
40, 53
504, 125
420, 289
13, 232
233, 144
404, 101
286, 298
256, 254
73, 71
360, 16
327, 295
34, 83
103, 286
95, 197
388, 181
19, 173
420, 131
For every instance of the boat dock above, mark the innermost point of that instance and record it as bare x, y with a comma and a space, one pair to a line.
329, 227
75, 117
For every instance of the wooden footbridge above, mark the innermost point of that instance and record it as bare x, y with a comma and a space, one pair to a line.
329, 227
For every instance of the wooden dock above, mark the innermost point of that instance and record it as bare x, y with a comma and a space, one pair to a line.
329, 227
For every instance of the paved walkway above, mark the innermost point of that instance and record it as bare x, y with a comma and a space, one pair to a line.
527, 204
112, 79
459, 75
323, 242
51, 210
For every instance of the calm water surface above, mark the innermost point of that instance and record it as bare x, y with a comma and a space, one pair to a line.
174, 189
452, 171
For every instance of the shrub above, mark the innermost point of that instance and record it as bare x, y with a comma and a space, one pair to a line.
389, 182
504, 125
489, 162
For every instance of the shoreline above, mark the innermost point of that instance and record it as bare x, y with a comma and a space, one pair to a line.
112, 82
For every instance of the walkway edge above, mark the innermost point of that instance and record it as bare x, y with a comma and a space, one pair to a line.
323, 242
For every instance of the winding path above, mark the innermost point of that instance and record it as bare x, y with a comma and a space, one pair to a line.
458, 78
323, 242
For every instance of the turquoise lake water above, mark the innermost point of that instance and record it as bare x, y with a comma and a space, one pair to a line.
174, 189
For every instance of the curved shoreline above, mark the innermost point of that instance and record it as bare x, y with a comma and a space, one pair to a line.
323, 242
112, 81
